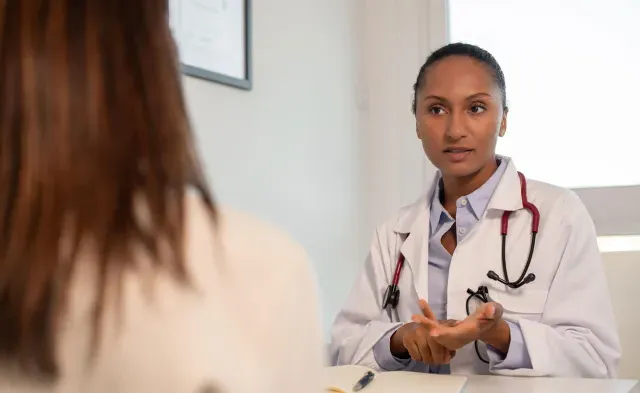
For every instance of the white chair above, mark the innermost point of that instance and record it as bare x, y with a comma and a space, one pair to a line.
623, 273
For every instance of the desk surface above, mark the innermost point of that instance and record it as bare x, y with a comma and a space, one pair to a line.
500, 384
494, 383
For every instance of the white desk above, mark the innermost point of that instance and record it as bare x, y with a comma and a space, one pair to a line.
345, 377
500, 384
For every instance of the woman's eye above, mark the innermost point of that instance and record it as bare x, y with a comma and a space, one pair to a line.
476, 109
436, 110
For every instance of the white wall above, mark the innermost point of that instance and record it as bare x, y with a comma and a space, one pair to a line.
287, 150
324, 145
394, 37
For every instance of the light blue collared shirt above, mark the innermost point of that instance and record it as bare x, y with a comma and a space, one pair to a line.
469, 210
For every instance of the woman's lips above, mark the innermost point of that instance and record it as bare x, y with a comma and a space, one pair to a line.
457, 155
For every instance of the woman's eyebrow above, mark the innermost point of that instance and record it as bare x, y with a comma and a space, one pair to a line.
474, 96
479, 95
434, 97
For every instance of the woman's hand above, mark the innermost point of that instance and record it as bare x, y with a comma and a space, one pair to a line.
420, 346
485, 324
415, 340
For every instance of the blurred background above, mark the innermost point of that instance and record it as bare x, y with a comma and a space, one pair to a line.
322, 142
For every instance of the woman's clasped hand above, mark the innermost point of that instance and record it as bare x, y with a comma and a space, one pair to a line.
430, 341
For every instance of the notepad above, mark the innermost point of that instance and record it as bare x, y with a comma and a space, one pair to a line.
341, 379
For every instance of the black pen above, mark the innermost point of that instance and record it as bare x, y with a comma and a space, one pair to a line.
364, 381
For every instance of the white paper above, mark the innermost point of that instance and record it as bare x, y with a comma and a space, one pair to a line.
210, 34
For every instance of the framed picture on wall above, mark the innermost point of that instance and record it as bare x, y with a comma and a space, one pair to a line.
214, 39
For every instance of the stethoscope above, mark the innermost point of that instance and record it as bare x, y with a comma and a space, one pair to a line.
392, 294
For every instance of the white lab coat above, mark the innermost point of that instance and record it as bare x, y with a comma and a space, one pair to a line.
565, 315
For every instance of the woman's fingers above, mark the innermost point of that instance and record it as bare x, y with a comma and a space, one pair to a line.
438, 352
424, 321
488, 311
414, 350
444, 337
450, 334
426, 349
450, 322
426, 352
493, 311
446, 357
456, 337
426, 310
450, 355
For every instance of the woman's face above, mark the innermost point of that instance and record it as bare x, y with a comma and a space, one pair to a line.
459, 115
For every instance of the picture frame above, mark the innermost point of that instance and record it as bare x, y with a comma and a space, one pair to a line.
214, 40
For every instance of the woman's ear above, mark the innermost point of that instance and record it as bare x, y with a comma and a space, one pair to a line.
418, 131
503, 123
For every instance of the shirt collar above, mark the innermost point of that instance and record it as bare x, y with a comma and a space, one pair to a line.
478, 200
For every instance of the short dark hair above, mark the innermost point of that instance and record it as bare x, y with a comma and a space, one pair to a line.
462, 49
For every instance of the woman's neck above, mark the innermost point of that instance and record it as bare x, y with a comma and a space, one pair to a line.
456, 187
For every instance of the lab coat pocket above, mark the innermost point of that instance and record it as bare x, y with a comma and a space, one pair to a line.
522, 303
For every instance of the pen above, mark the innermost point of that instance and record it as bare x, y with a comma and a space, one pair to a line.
364, 381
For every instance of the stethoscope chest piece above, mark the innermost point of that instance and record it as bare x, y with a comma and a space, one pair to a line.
391, 296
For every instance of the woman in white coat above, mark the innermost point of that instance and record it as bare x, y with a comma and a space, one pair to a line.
460, 308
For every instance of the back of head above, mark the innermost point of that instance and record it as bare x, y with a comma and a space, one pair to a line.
91, 118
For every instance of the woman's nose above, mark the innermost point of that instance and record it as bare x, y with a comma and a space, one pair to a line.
456, 126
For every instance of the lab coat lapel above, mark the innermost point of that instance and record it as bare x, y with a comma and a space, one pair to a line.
415, 224
415, 249
507, 196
